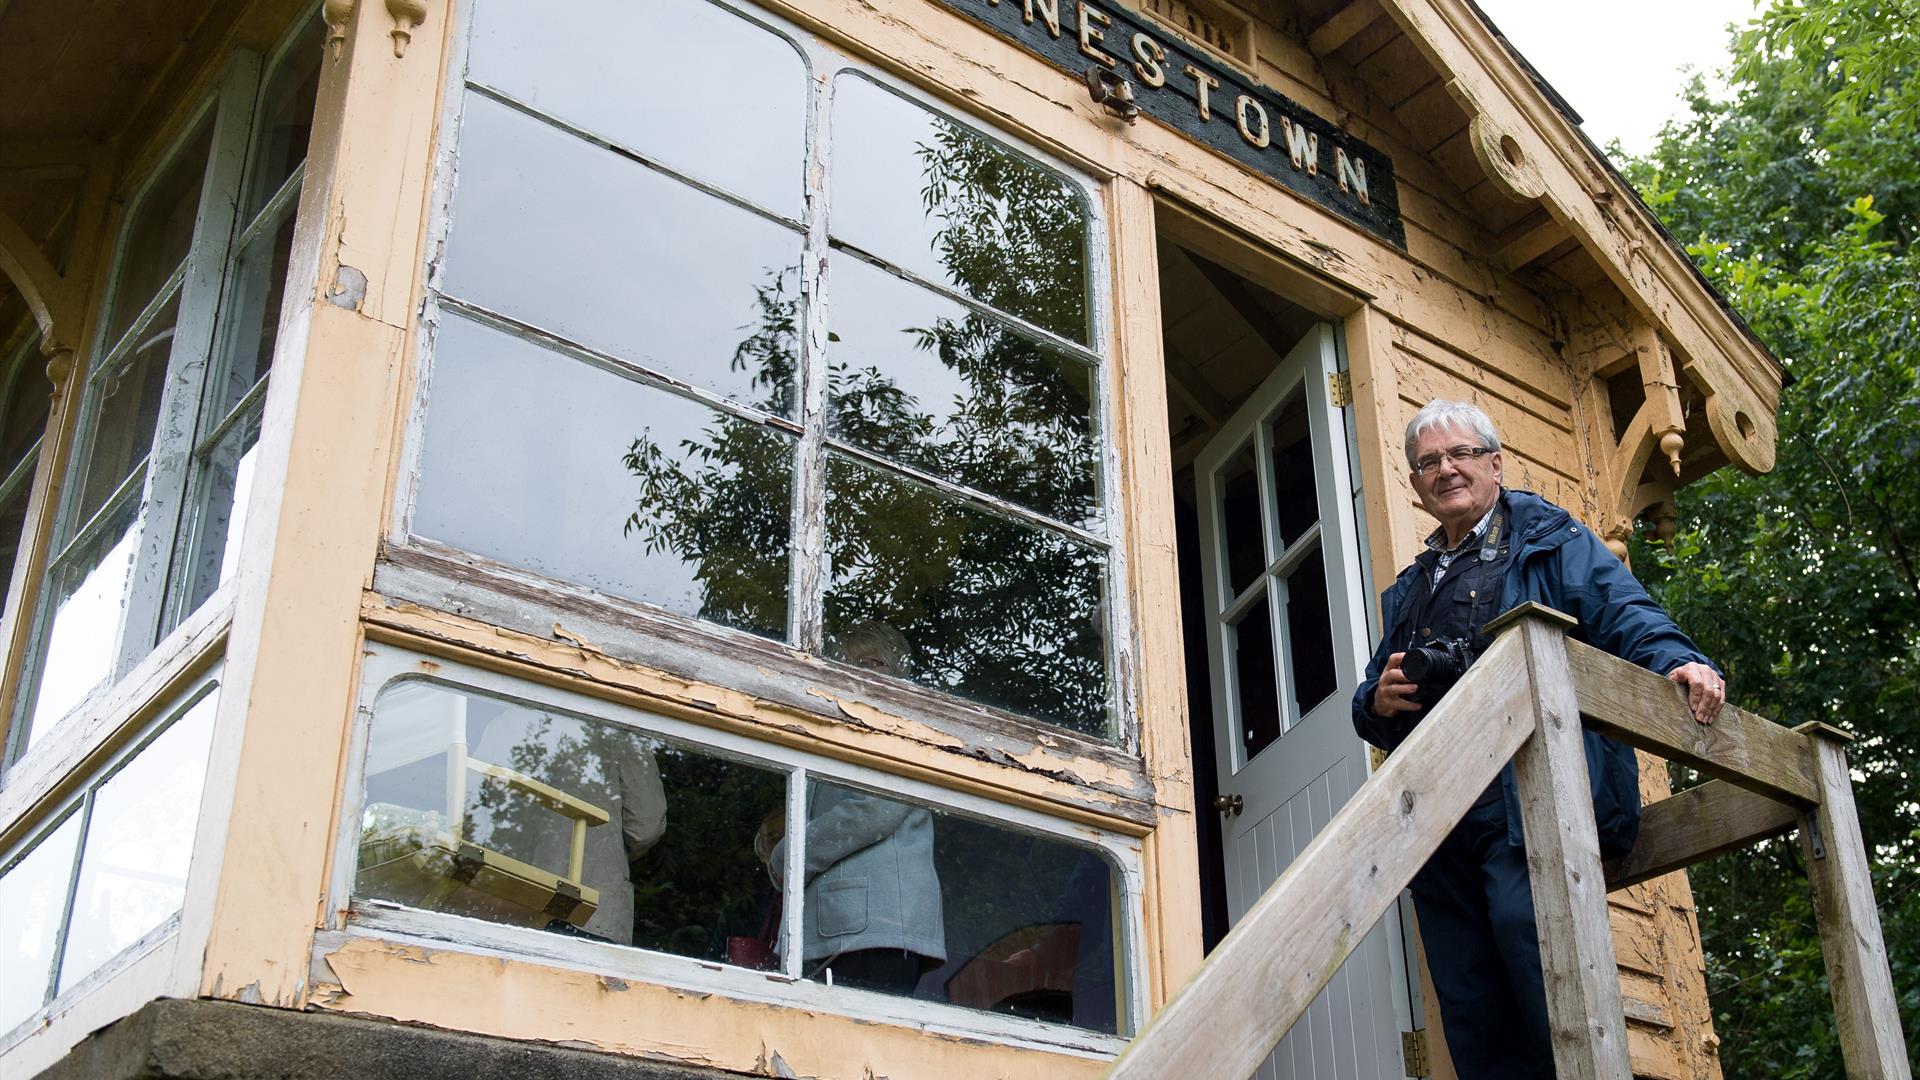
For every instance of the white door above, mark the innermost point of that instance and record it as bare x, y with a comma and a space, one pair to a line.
1286, 642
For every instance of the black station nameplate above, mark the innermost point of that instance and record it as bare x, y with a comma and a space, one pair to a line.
1179, 86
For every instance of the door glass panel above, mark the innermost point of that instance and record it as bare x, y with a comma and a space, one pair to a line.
1257, 683
1309, 633
927, 588
474, 803
160, 234
933, 197
711, 94
934, 384
1241, 541
33, 895
133, 871
122, 432
600, 249
89, 590
906, 900
1295, 505
546, 462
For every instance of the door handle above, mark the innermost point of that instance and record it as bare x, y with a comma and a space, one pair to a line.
1230, 805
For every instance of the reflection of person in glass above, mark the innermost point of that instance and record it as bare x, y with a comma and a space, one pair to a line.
872, 915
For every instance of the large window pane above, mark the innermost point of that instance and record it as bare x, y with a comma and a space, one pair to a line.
129, 395
223, 481
1309, 633
598, 248
476, 806
927, 588
547, 462
13, 520
24, 415
955, 208
714, 95
934, 384
250, 317
88, 591
33, 895
1241, 538
133, 871
286, 118
159, 234
1296, 506
905, 900
1255, 679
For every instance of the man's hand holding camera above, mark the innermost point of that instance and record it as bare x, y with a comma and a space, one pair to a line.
1395, 693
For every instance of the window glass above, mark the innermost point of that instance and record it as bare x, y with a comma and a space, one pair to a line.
224, 481
595, 247
905, 900
129, 396
1240, 535
1309, 633
84, 625
133, 868
13, 521
33, 895
546, 462
957, 209
286, 118
250, 315
498, 810
931, 383
28, 397
1256, 679
925, 587
159, 234
718, 98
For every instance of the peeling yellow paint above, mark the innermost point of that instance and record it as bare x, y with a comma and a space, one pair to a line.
522, 1000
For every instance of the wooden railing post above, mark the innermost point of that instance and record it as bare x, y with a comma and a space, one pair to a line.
1864, 1010
1584, 1007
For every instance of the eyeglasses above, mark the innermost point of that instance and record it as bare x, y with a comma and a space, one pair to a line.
1459, 455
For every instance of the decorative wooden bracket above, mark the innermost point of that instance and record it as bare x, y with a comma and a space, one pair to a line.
407, 17
47, 296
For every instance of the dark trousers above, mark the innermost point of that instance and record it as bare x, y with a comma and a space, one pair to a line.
1476, 924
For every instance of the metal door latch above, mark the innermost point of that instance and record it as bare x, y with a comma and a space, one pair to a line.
1230, 805
1113, 92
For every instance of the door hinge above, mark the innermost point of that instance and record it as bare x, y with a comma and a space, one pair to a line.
1413, 1047
1340, 389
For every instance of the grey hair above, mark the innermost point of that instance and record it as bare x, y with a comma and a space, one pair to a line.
1440, 413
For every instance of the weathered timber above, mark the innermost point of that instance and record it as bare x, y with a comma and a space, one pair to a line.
1864, 1010
1584, 1008
1697, 824
1642, 709
1292, 942
1342, 26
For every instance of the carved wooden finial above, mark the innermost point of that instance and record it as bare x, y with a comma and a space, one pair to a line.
407, 16
336, 13
59, 366
1671, 444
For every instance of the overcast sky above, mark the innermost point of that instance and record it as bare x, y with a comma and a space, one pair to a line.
1620, 64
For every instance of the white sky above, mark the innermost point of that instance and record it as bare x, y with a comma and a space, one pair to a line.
1619, 64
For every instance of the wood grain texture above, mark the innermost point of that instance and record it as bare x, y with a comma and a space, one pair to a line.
1697, 824
1864, 1009
1584, 1006
1645, 710
1290, 944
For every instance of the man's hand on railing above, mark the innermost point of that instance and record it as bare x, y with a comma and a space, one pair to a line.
1393, 694
1705, 690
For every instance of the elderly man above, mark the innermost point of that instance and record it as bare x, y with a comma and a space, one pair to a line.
1494, 549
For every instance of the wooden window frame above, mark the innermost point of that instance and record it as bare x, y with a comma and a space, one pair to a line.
449, 579
350, 918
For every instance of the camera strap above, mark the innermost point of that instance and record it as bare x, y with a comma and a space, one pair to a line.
1497, 527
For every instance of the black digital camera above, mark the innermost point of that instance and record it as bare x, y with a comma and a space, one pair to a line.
1436, 666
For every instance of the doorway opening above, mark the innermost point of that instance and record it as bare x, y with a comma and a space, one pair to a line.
1273, 611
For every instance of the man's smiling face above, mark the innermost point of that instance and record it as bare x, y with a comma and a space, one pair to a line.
1458, 493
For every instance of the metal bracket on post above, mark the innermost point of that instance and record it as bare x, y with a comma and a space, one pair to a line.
1112, 92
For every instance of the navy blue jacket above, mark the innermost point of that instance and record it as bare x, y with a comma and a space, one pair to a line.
1560, 563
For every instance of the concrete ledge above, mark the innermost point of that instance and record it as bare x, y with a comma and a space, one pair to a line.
220, 1040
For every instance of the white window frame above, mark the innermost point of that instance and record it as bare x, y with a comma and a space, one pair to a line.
153, 619
80, 801
451, 579
351, 917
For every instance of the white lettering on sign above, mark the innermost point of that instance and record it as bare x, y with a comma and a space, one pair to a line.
1049, 13
1147, 56
1203, 83
1303, 147
1088, 35
1352, 175
1257, 135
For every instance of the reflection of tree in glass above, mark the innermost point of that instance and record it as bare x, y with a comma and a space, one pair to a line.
995, 610
702, 882
1011, 233
729, 515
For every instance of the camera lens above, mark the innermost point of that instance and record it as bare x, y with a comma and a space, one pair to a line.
1419, 663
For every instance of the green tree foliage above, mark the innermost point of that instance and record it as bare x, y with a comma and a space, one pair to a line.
1798, 194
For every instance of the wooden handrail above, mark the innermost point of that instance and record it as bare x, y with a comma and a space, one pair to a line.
1516, 703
